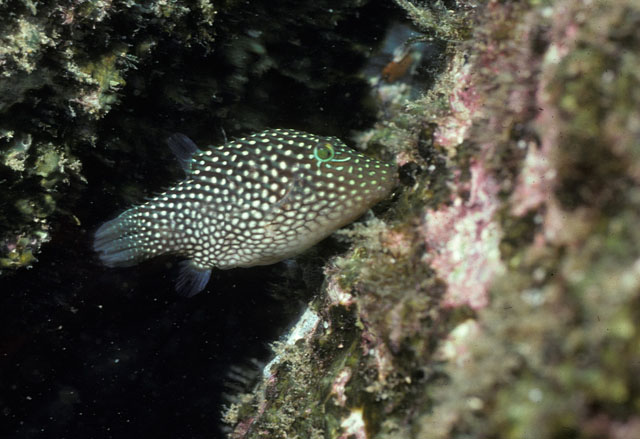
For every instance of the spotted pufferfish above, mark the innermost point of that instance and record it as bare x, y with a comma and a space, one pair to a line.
253, 201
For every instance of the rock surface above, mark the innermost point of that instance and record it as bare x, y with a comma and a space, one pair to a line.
497, 295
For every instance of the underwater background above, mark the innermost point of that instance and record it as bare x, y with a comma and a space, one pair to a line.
494, 293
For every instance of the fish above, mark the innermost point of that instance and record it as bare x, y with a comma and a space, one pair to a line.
252, 201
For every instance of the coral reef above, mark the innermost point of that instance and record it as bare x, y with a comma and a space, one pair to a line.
496, 295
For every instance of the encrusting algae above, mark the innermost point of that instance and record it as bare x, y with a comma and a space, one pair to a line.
254, 201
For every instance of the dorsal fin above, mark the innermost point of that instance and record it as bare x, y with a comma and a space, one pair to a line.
184, 149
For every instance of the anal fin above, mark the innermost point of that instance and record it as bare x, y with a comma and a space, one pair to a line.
191, 279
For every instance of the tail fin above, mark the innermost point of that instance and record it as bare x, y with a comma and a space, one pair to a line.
120, 242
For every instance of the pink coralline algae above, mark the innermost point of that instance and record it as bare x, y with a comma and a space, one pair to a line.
339, 385
354, 426
464, 103
335, 293
456, 346
463, 241
535, 182
534, 186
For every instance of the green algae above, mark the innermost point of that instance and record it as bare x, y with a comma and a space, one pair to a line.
439, 19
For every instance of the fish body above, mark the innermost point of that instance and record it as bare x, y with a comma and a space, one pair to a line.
253, 201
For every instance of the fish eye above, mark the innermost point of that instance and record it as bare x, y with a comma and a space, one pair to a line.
323, 153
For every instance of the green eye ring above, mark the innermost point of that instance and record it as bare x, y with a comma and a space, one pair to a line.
324, 153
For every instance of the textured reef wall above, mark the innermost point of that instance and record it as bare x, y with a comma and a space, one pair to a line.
497, 294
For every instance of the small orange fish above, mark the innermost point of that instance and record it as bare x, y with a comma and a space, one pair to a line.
399, 66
